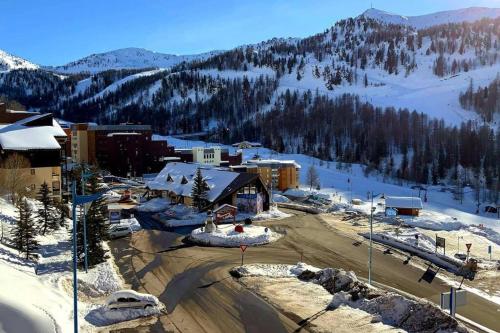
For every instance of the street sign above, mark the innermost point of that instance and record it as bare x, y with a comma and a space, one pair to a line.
428, 275
450, 300
468, 246
243, 248
489, 249
440, 241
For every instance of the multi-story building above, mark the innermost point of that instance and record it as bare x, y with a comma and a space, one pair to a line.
31, 149
124, 150
217, 156
276, 174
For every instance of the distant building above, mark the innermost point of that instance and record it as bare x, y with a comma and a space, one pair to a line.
40, 140
124, 150
280, 175
243, 190
404, 205
247, 144
217, 156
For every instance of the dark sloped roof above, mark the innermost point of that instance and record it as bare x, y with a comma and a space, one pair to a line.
241, 180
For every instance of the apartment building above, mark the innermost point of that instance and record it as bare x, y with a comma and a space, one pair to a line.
216, 155
276, 174
125, 150
36, 142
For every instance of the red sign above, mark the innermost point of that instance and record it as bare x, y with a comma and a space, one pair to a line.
468, 246
243, 247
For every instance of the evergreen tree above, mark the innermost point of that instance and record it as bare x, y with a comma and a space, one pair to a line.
199, 190
46, 214
24, 233
97, 229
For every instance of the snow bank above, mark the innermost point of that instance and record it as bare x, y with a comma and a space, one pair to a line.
280, 198
101, 316
273, 270
154, 205
226, 236
272, 213
450, 264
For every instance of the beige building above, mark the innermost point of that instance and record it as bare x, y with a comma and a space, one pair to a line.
31, 148
276, 174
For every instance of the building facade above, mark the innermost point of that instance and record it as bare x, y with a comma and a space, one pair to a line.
31, 150
124, 150
276, 174
216, 156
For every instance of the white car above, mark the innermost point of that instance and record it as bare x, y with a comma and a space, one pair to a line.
117, 231
131, 299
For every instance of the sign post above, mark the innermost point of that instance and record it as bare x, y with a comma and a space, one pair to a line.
242, 248
441, 242
452, 299
468, 245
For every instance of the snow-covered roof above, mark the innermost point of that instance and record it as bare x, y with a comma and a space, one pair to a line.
122, 133
271, 162
21, 136
170, 179
403, 202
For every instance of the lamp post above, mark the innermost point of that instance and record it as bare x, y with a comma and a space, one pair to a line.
81, 200
371, 242
85, 176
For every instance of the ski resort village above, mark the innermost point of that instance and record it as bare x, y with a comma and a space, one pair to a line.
345, 180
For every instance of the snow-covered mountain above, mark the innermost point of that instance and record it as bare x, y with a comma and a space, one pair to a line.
128, 58
9, 62
424, 21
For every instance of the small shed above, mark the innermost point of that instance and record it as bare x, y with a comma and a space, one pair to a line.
404, 205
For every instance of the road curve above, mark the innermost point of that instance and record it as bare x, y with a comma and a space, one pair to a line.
200, 296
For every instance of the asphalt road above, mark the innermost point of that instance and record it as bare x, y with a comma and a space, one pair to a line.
200, 296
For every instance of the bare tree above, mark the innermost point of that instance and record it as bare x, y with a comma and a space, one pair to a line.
312, 177
14, 175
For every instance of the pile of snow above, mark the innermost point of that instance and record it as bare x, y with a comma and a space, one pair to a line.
296, 193
102, 316
273, 270
449, 263
154, 205
132, 223
226, 236
272, 213
280, 198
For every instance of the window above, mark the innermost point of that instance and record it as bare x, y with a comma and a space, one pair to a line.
32, 172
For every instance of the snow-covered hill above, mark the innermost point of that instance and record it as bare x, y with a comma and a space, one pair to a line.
424, 21
128, 58
9, 62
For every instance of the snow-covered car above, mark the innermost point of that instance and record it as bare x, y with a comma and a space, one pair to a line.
117, 231
131, 299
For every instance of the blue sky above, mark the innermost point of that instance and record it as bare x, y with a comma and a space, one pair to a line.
54, 32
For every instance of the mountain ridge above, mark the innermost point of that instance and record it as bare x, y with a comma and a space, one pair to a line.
469, 14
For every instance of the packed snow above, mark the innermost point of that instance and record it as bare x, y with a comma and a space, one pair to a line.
226, 236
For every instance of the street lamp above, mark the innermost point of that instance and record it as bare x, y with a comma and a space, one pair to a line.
371, 242
85, 176
81, 200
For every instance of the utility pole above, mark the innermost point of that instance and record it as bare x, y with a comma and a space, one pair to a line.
371, 243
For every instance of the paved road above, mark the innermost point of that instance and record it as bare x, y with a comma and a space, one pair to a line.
200, 295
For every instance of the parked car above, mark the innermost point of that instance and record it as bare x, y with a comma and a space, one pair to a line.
116, 231
130, 299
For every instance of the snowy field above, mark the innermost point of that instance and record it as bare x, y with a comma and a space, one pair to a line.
42, 290
225, 235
